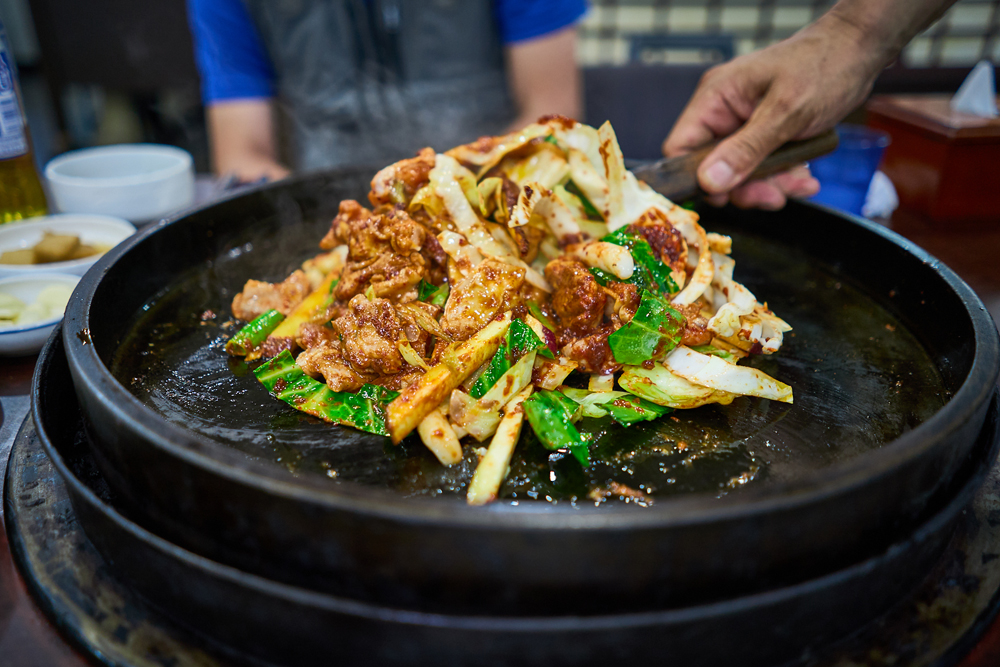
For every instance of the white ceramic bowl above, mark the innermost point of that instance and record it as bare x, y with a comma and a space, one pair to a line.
92, 229
138, 182
30, 338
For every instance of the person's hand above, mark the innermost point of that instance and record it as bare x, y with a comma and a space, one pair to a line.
257, 169
243, 140
792, 90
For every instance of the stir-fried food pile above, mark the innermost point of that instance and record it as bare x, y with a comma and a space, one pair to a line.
528, 277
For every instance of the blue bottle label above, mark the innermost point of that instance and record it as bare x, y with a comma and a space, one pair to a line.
13, 141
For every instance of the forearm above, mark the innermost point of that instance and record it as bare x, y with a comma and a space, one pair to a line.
242, 140
544, 78
883, 27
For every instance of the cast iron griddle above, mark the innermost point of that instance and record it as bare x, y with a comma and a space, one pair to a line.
893, 361
106, 605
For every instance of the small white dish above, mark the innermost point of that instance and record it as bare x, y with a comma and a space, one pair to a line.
92, 230
29, 339
138, 182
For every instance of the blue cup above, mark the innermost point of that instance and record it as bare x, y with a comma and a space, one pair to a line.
845, 174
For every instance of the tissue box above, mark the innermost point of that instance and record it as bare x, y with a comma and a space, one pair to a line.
945, 165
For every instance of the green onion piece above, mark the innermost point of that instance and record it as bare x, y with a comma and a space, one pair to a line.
650, 273
716, 352
518, 341
550, 414
654, 330
253, 334
428, 293
552, 140
364, 410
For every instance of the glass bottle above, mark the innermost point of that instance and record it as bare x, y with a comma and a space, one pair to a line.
21, 193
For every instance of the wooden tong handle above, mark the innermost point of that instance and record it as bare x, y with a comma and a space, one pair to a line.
677, 178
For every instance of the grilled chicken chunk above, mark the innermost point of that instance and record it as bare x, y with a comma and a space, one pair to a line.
369, 332
259, 297
311, 334
493, 287
386, 251
397, 183
576, 297
327, 360
695, 330
593, 352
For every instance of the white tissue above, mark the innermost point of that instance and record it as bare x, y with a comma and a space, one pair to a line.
882, 199
978, 93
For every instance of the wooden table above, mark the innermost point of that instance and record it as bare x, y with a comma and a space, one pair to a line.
27, 639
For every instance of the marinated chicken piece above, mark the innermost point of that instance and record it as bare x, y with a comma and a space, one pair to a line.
327, 361
576, 297
491, 288
349, 214
665, 240
311, 334
389, 252
627, 298
369, 332
387, 275
259, 297
400, 380
369, 234
397, 183
695, 330
593, 352
273, 346
438, 260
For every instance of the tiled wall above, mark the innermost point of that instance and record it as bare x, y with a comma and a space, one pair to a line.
967, 33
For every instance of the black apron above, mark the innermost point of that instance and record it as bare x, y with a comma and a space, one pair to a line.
371, 82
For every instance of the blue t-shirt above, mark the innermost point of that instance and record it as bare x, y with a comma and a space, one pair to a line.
234, 64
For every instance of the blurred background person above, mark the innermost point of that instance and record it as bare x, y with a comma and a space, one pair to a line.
372, 81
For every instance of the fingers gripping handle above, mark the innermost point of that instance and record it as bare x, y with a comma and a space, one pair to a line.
794, 153
677, 178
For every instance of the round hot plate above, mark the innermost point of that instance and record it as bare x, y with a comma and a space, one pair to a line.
131, 598
893, 357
